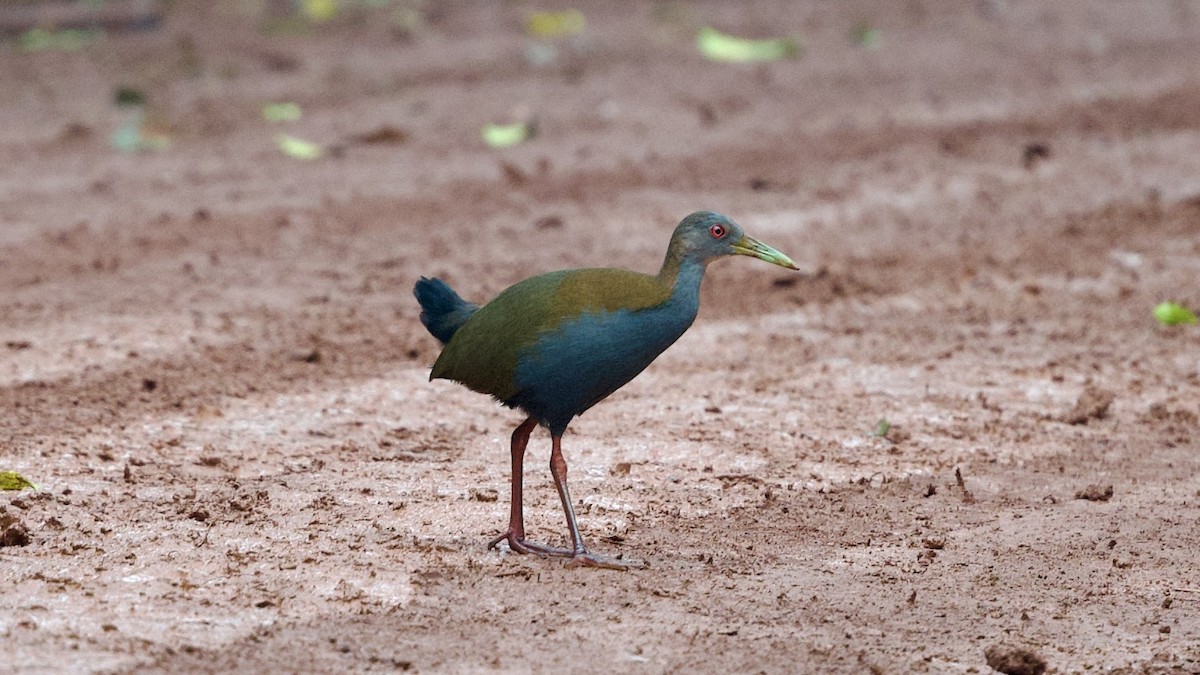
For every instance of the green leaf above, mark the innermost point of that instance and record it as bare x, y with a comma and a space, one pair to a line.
299, 148
319, 10
68, 40
505, 135
882, 428
717, 46
1173, 314
554, 25
72, 40
866, 36
11, 480
281, 112
36, 40
128, 96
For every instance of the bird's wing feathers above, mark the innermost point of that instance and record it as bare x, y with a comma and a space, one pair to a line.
483, 353
607, 290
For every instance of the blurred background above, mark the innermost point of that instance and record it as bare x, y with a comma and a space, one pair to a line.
970, 421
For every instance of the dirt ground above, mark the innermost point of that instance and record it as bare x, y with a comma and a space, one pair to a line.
211, 363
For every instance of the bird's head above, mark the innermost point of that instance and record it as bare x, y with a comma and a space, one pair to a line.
706, 235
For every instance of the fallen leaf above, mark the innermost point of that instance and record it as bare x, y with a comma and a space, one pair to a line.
11, 480
1173, 314
319, 10
866, 36
299, 148
882, 428
718, 46
67, 40
281, 112
554, 25
128, 96
506, 135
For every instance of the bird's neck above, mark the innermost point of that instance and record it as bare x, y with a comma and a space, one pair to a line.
683, 276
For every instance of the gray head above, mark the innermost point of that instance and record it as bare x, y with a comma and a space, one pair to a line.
706, 235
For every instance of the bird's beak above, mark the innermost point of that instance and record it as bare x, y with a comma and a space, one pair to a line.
750, 246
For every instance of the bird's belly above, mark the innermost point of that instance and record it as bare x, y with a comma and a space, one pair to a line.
570, 369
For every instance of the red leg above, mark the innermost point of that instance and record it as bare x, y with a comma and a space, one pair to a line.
515, 536
579, 553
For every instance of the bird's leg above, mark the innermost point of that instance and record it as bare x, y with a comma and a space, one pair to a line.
579, 554
515, 536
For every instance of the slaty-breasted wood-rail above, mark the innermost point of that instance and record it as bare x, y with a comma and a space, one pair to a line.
557, 344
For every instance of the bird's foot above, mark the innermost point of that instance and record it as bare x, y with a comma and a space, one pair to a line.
518, 544
585, 559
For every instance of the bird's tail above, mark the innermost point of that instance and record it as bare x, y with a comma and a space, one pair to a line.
442, 311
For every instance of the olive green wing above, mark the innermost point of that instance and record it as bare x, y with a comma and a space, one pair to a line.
483, 355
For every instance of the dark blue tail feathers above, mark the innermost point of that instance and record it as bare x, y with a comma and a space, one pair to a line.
442, 311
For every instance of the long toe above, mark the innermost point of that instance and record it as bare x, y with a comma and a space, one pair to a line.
586, 559
507, 536
522, 545
526, 546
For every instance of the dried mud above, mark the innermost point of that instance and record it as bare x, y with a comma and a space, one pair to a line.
210, 359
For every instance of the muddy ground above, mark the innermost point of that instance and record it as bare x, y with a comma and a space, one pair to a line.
211, 364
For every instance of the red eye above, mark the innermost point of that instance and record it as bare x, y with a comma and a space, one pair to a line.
717, 231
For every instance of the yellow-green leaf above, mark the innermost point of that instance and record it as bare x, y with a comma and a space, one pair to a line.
505, 135
882, 427
281, 112
866, 36
298, 147
553, 25
717, 46
319, 10
68, 40
11, 480
1173, 314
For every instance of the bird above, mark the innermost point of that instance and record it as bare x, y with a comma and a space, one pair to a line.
556, 344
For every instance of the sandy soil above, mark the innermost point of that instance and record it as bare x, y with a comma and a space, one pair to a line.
210, 359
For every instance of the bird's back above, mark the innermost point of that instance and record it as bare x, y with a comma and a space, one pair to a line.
557, 343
